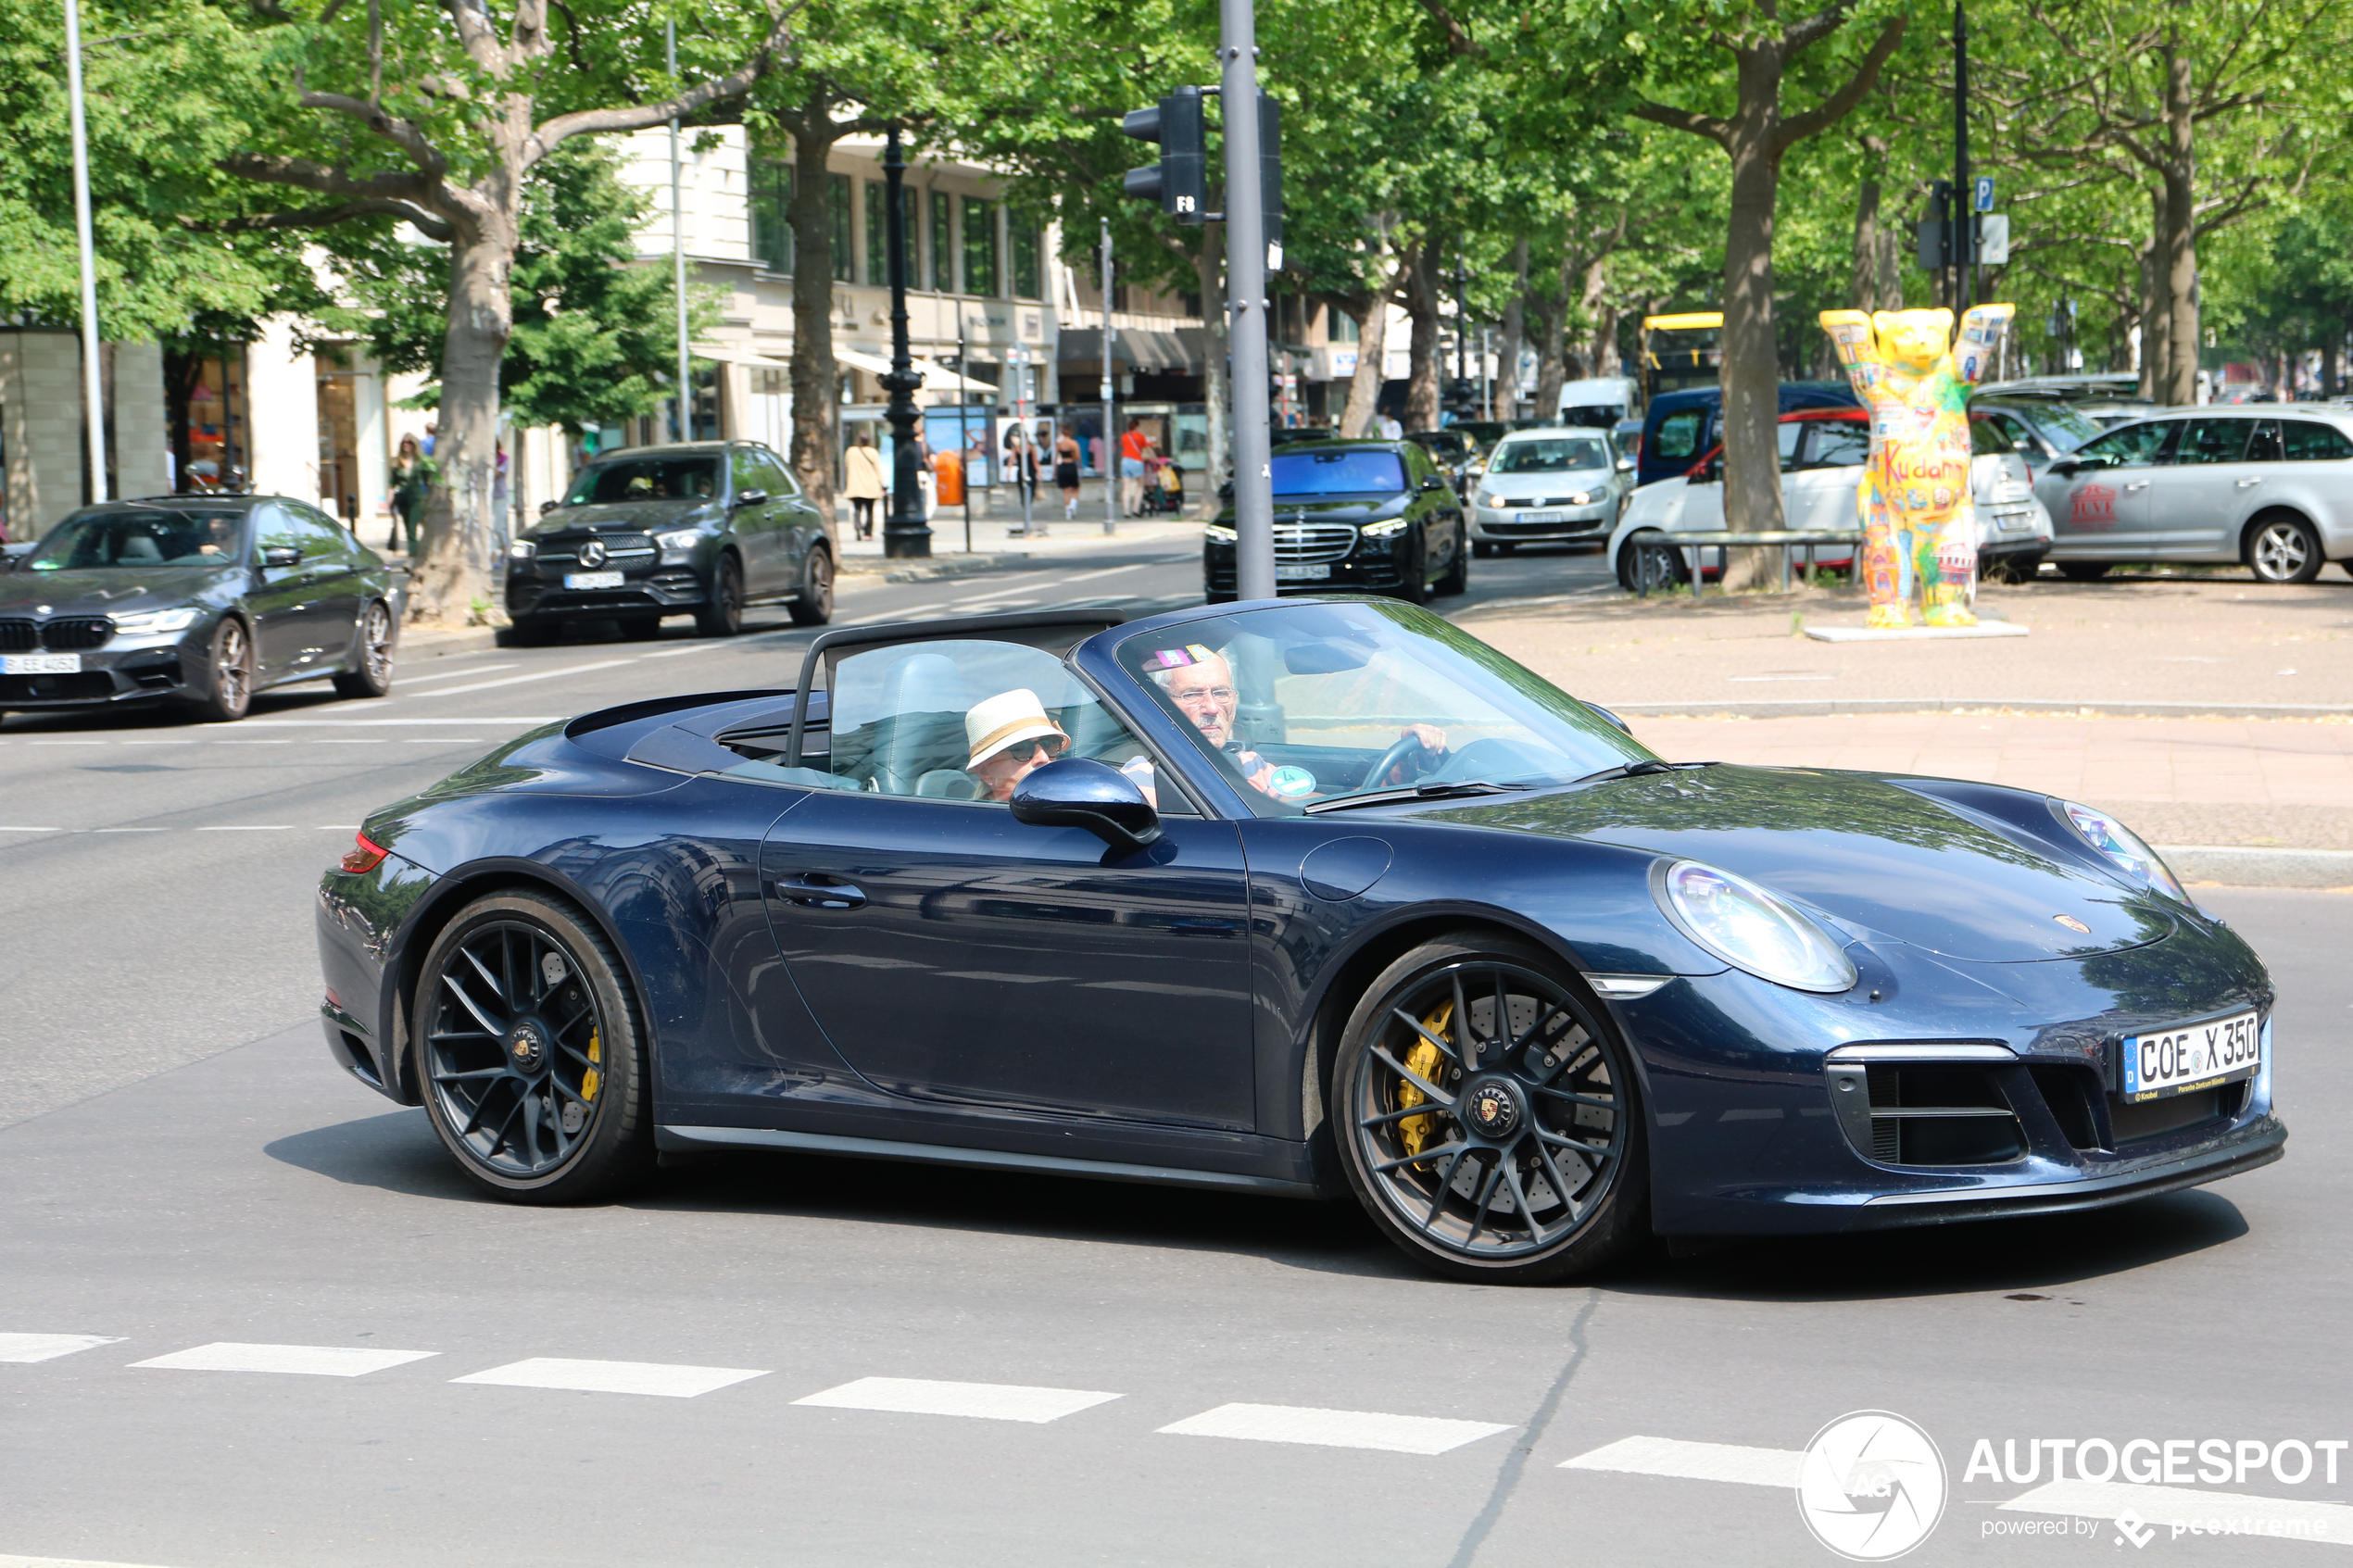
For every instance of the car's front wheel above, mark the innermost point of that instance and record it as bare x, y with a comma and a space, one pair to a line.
529, 1046
371, 672
230, 695
1487, 1116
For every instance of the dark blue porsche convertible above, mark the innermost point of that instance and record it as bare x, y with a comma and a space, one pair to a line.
1305, 898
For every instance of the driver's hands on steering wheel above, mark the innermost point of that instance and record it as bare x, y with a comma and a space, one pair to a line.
1433, 741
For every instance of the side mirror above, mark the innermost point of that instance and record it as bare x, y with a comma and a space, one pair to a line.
2066, 468
278, 557
1610, 717
1225, 491
547, 507
751, 497
1625, 464
1081, 791
1432, 483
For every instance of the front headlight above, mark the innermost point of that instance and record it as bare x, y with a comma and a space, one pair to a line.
1383, 530
1580, 498
150, 623
1490, 499
1751, 929
522, 549
1220, 533
679, 538
2121, 845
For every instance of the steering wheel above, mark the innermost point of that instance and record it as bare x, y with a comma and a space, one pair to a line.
1408, 745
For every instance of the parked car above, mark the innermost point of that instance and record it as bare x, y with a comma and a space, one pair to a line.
1823, 451
2271, 491
1456, 452
1549, 486
2039, 430
1283, 436
1598, 402
1355, 514
197, 599
1679, 428
705, 526
1320, 900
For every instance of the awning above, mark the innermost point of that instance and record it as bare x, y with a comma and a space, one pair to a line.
1179, 350
729, 353
936, 376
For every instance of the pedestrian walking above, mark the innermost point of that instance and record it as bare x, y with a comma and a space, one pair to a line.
432, 433
863, 483
412, 479
1067, 471
1021, 462
1134, 448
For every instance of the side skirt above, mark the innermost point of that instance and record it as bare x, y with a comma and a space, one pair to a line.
677, 1139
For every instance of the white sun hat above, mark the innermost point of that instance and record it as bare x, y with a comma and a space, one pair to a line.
994, 725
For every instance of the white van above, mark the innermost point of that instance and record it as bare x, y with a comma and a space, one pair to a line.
1599, 403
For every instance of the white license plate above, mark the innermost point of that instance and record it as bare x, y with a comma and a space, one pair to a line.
1538, 517
593, 579
2192, 1055
41, 664
1288, 572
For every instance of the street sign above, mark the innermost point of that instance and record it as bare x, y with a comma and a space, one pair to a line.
1994, 239
1936, 243
1984, 202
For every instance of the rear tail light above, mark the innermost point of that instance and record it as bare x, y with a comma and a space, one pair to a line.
363, 856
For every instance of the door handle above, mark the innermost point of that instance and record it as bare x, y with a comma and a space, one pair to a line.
2244, 483
817, 893
2138, 485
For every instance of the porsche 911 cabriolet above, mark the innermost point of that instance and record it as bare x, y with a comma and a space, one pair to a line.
1304, 899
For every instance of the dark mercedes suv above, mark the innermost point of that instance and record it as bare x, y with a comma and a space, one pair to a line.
1359, 515
705, 527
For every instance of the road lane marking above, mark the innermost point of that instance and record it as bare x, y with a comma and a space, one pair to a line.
25, 1347
1335, 1429
316, 1360
2181, 1507
1693, 1461
985, 1401
127, 830
1110, 571
406, 681
534, 675
674, 653
65, 743
612, 1377
62, 1562
350, 740
245, 827
253, 743
31, 830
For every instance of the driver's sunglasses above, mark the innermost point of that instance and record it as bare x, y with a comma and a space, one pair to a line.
1053, 746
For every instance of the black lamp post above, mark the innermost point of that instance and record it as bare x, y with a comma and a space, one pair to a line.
904, 532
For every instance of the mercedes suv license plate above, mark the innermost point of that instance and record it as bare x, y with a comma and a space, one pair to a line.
1286, 571
2192, 1055
592, 579
41, 664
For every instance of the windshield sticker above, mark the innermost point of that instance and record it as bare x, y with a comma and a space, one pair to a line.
1168, 659
1291, 783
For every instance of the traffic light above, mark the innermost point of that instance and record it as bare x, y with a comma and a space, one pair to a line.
1180, 182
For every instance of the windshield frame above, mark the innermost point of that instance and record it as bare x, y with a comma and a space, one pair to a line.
39, 557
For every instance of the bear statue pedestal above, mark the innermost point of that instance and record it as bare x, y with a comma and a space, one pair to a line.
1913, 633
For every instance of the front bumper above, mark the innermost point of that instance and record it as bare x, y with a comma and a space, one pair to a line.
650, 590
1373, 565
125, 669
1492, 525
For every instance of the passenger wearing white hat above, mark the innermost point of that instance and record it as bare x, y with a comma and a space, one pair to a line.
1009, 736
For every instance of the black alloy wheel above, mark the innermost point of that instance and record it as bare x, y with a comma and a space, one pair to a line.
1648, 564
814, 604
1457, 578
2283, 548
722, 614
527, 1042
370, 672
230, 694
1415, 589
1488, 1118
2083, 570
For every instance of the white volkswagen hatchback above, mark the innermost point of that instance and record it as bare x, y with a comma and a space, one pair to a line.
1564, 485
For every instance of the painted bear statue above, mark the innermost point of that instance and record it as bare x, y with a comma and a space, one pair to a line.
1919, 528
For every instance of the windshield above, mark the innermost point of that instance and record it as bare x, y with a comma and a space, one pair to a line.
1564, 455
1309, 704
1347, 471
1599, 415
645, 478
2064, 428
141, 538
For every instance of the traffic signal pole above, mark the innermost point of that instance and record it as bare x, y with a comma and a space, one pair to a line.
1246, 263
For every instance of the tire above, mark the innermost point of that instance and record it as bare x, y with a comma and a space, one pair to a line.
370, 673
2083, 570
641, 628
1415, 590
1504, 547
1457, 578
1432, 1181
2283, 549
230, 696
722, 614
1649, 551
531, 634
530, 1049
814, 604
1482, 549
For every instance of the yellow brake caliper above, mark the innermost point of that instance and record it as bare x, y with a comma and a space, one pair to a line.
589, 1080
1427, 1061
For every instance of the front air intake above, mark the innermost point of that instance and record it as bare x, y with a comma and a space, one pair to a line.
1921, 1104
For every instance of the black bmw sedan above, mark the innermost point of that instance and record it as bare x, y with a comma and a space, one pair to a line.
705, 527
202, 599
1360, 515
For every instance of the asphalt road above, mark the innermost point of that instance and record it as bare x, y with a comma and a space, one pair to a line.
351, 1359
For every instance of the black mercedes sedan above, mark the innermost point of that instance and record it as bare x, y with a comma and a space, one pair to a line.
1360, 515
705, 527
202, 599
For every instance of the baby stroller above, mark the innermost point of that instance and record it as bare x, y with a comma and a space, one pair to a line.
1163, 487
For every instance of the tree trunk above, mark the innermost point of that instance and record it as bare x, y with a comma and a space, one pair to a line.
1515, 333
816, 385
1593, 303
454, 577
1868, 248
2178, 238
1217, 349
2157, 311
1752, 408
1372, 335
1421, 313
1552, 345
2331, 336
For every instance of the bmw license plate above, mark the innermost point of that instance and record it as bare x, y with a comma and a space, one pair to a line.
2192, 1055
1288, 571
41, 664
1538, 517
592, 580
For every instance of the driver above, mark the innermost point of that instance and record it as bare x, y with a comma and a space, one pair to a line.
1204, 690
219, 537
1010, 737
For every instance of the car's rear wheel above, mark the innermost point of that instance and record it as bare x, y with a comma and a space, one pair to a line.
1488, 1116
1482, 549
1504, 547
814, 604
230, 695
1457, 578
370, 672
529, 1047
2284, 549
641, 628
2083, 570
526, 633
722, 614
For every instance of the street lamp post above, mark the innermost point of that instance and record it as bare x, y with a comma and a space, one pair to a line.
904, 532
93, 414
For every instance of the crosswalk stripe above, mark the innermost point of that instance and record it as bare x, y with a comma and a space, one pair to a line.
317, 1360
23, 1348
1693, 1461
986, 1402
1335, 1429
612, 1377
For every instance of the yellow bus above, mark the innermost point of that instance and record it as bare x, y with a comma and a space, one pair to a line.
1681, 351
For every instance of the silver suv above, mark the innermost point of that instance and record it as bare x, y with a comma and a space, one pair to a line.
2271, 490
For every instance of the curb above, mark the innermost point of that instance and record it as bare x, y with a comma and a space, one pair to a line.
1816, 708
856, 566
2254, 866
418, 643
